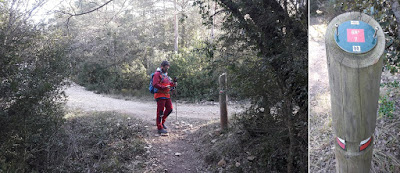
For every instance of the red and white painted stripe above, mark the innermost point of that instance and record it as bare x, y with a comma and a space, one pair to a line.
341, 142
365, 143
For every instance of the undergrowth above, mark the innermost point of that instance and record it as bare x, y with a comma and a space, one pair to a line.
386, 106
91, 142
251, 144
99, 142
387, 103
386, 156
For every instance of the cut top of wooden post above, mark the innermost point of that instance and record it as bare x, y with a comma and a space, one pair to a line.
354, 78
353, 60
222, 81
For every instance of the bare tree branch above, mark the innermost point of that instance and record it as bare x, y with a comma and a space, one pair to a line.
20, 12
87, 12
117, 13
101, 6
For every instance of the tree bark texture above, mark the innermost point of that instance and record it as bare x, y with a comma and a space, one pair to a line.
176, 29
223, 101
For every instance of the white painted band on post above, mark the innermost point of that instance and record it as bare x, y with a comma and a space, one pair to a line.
365, 141
342, 140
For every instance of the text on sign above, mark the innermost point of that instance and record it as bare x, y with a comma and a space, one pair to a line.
355, 35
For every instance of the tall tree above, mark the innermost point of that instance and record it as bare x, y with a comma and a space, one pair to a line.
176, 28
277, 31
32, 73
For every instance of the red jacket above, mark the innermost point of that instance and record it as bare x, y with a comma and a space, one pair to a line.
162, 85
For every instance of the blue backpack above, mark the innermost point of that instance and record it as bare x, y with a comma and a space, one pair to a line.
152, 89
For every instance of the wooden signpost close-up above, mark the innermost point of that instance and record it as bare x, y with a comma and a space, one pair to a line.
355, 44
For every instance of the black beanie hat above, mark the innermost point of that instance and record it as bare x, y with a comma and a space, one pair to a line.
164, 63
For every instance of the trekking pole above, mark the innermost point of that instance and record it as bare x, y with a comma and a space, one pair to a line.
176, 98
176, 104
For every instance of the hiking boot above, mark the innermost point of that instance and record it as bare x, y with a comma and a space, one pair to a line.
162, 131
165, 127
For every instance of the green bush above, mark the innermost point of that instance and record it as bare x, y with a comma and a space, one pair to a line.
105, 78
32, 71
196, 77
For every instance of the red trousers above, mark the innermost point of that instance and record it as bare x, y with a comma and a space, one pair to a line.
162, 113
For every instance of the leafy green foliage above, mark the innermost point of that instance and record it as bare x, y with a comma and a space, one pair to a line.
386, 106
264, 50
196, 77
128, 76
394, 84
119, 54
32, 71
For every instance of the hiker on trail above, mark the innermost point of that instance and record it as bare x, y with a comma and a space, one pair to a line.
163, 83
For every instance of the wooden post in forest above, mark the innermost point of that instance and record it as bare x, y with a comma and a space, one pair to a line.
355, 44
223, 101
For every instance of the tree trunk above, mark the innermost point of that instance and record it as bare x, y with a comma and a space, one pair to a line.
183, 32
165, 18
213, 23
164, 21
288, 111
183, 35
176, 29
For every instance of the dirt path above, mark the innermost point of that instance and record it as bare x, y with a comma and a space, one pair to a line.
320, 132
175, 153
318, 71
79, 98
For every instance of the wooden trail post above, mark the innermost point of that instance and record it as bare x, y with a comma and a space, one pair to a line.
222, 101
354, 48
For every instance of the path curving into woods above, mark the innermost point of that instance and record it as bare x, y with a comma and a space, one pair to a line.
80, 98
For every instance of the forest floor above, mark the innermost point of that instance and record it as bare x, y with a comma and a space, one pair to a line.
177, 152
386, 155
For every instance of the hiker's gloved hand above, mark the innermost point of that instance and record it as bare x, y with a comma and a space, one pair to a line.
175, 79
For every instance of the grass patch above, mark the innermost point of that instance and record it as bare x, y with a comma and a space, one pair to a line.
386, 106
393, 84
100, 142
386, 155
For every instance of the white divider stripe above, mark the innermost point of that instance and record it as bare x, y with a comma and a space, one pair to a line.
365, 141
342, 140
